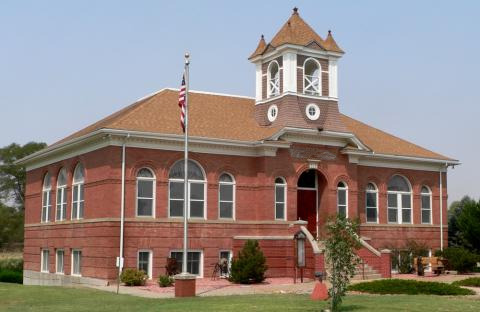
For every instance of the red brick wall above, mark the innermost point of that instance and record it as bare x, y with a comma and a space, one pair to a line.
98, 234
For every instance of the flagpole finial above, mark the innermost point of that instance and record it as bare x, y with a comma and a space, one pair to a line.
187, 56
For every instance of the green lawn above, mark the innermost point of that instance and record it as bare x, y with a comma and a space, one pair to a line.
35, 298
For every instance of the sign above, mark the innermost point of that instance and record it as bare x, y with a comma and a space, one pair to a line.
311, 153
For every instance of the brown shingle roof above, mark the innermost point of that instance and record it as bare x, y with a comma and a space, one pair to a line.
230, 117
297, 31
383, 143
260, 48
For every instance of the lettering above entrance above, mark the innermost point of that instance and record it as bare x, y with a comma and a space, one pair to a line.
311, 153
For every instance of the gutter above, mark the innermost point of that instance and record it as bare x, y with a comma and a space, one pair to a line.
451, 162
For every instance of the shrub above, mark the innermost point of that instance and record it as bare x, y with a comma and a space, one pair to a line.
165, 281
250, 266
470, 282
172, 267
133, 277
410, 287
459, 259
12, 264
11, 276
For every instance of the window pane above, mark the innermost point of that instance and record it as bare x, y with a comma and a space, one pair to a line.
145, 188
398, 183
74, 210
225, 178
371, 200
280, 211
426, 216
196, 190
392, 200
307, 179
60, 261
196, 209
226, 210
226, 192
193, 261
176, 208
406, 202
59, 212
176, 190
280, 194
64, 211
342, 210
194, 171
426, 201
406, 215
342, 197
81, 187
75, 193
77, 259
80, 210
145, 207
392, 215
144, 173
143, 261
371, 215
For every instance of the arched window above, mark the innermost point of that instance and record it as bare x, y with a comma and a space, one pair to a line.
46, 199
280, 199
196, 186
311, 77
61, 211
273, 78
371, 203
145, 193
78, 192
342, 199
399, 200
226, 196
426, 196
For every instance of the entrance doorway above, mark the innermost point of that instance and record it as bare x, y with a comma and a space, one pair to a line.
309, 194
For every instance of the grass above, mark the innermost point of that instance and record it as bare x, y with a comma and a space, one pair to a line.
37, 298
470, 282
410, 287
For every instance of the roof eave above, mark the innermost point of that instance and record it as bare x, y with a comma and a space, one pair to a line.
446, 161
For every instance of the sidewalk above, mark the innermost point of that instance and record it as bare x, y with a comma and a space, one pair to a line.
219, 287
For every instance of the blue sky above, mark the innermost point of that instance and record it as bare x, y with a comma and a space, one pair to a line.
410, 68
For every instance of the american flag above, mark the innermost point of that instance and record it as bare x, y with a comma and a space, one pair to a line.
181, 103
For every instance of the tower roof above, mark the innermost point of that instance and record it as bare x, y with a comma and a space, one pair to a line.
296, 31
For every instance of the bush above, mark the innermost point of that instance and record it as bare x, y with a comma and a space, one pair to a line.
11, 276
250, 266
172, 267
133, 277
410, 287
165, 281
459, 259
12, 264
470, 282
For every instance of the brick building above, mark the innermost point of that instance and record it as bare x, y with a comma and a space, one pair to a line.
261, 168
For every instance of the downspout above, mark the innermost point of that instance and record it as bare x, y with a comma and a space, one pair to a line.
122, 214
441, 208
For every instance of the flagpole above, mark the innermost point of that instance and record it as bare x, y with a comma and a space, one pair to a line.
186, 204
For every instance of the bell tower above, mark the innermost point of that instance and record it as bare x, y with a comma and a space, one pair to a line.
296, 78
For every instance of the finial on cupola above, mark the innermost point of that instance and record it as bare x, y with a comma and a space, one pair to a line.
295, 10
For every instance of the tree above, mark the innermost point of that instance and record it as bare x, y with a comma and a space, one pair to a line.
250, 265
468, 226
341, 244
11, 227
12, 176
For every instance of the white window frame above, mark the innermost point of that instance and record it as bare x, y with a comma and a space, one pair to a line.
284, 185
76, 201
200, 275
367, 191
45, 260
62, 272
275, 84
343, 188
429, 194
273, 108
46, 204
154, 193
317, 111
234, 189
319, 93
230, 258
62, 190
73, 262
400, 202
190, 181
150, 260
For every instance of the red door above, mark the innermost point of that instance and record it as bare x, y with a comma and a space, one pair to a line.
307, 209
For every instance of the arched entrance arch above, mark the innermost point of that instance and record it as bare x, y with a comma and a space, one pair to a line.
311, 187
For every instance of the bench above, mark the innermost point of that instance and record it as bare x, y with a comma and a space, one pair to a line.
435, 263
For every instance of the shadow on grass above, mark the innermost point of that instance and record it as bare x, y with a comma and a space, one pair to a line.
353, 307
